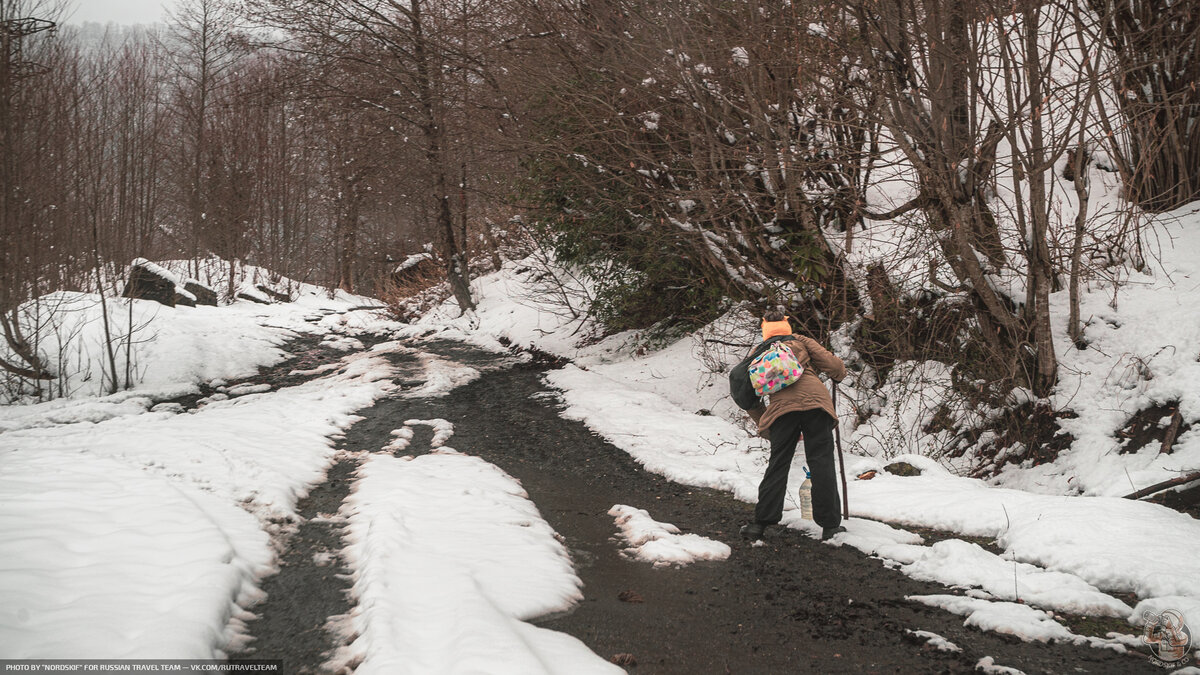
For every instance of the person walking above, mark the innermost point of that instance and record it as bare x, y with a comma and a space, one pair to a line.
805, 410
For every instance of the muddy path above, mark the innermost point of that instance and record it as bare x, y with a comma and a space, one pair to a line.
794, 605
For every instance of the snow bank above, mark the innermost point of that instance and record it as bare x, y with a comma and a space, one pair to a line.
1068, 551
101, 559
128, 533
1110, 543
449, 558
171, 346
1009, 618
954, 562
662, 543
263, 449
1142, 345
705, 451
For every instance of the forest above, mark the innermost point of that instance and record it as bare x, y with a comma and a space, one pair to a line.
921, 174
398, 336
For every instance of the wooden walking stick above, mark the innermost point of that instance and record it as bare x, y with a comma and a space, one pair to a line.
837, 433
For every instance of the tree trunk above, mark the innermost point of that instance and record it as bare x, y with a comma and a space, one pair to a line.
1079, 178
1046, 373
347, 235
456, 269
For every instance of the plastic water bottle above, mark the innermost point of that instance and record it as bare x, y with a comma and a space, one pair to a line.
806, 496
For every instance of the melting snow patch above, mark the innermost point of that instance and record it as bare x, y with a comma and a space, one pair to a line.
1015, 619
955, 562
403, 436
442, 431
935, 640
441, 377
662, 543
1009, 618
988, 665
243, 389
341, 343
450, 557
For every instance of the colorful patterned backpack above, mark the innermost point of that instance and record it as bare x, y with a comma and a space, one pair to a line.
774, 369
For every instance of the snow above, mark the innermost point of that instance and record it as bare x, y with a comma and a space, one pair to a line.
958, 563
935, 640
1141, 351
124, 513
668, 408
131, 528
99, 558
662, 543
174, 347
442, 431
412, 261
1008, 618
144, 534
249, 290
449, 557
170, 276
988, 666
243, 389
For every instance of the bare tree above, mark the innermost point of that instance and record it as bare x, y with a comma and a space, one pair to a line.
404, 48
19, 139
690, 150
202, 41
1157, 48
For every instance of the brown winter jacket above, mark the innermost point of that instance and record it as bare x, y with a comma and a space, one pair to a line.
808, 392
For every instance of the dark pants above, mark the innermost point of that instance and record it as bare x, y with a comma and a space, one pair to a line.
817, 427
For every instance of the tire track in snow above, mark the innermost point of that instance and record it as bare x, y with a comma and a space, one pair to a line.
298, 622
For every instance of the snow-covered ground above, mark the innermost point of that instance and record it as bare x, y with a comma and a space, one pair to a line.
1061, 551
449, 556
131, 527
662, 543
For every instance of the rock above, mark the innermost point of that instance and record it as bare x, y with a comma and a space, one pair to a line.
902, 469
148, 281
204, 294
247, 292
145, 284
273, 294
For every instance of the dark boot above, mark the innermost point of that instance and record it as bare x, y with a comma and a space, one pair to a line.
753, 531
830, 532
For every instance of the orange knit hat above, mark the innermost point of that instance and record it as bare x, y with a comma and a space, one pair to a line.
772, 328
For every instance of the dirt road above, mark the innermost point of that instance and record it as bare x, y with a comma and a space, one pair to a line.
795, 605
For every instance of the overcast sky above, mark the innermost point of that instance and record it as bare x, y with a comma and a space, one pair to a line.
119, 11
